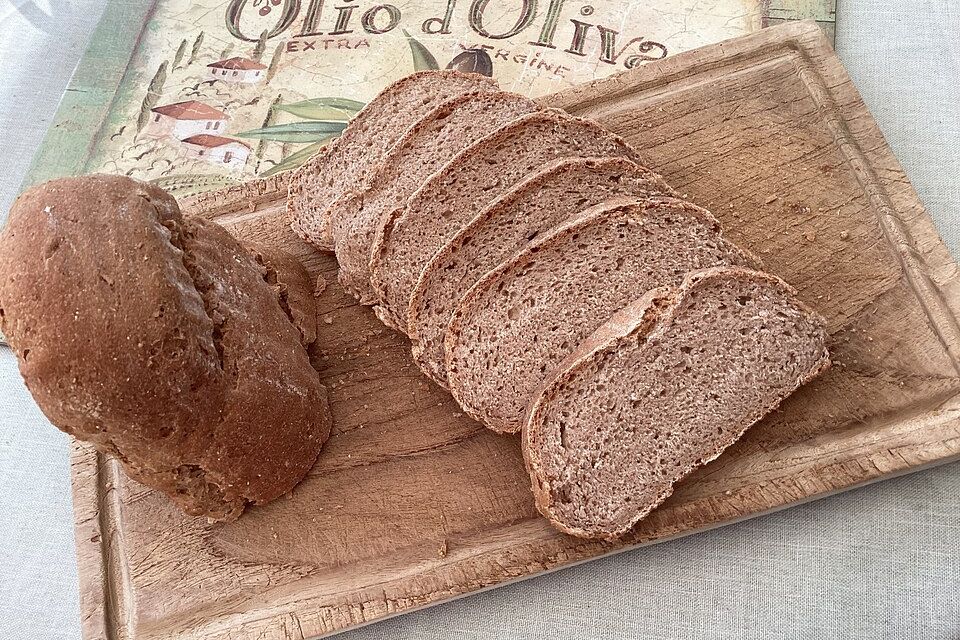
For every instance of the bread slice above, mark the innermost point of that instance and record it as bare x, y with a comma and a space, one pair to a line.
662, 388
411, 236
340, 167
422, 151
516, 325
563, 189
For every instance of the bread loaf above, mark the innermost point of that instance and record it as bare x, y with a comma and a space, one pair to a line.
563, 189
515, 326
662, 388
422, 151
163, 342
342, 166
413, 234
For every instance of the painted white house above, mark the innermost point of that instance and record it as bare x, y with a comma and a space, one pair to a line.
184, 119
226, 152
241, 70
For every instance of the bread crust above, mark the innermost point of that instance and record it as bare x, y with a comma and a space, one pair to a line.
633, 327
293, 288
637, 319
156, 338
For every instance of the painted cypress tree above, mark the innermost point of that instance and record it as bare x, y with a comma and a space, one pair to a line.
267, 121
154, 90
196, 49
178, 56
261, 46
274, 62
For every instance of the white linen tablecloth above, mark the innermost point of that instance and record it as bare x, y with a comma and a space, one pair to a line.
878, 562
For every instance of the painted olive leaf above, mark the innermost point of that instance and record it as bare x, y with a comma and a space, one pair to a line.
339, 109
423, 60
189, 184
294, 160
311, 131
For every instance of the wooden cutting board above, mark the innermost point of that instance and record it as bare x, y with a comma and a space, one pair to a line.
412, 503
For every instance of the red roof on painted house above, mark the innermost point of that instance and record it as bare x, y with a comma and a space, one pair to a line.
190, 110
242, 64
209, 141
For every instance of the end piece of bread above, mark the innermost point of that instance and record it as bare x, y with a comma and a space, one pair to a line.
665, 386
163, 342
410, 236
422, 151
562, 190
516, 325
341, 167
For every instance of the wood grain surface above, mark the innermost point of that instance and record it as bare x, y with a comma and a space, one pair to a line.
412, 503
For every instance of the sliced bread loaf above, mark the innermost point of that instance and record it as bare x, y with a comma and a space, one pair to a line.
410, 236
515, 326
563, 189
422, 151
342, 165
662, 388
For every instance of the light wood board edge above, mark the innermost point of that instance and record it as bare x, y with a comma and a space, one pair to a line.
640, 545
102, 554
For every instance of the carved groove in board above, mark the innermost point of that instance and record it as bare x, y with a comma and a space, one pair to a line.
226, 201
942, 319
680, 82
480, 543
879, 431
227, 218
116, 594
673, 69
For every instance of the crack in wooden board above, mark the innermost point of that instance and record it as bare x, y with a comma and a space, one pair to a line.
412, 504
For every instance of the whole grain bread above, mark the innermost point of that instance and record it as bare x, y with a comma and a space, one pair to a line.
410, 236
293, 287
662, 388
422, 151
565, 188
163, 342
341, 167
515, 326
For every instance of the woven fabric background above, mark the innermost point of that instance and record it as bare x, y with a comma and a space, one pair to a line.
876, 563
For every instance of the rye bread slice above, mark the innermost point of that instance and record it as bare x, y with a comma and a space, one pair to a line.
422, 151
662, 388
565, 188
410, 236
340, 167
516, 325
